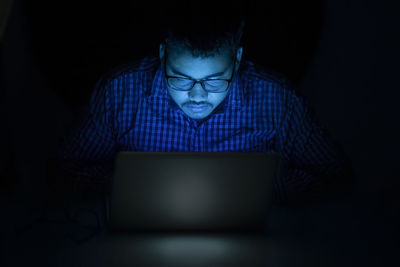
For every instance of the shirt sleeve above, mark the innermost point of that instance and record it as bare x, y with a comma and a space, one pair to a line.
86, 154
314, 165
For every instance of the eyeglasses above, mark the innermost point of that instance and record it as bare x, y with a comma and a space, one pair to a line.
187, 84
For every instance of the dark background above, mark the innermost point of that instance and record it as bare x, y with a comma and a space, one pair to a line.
343, 56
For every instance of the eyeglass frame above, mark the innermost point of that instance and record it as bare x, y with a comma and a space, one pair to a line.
201, 81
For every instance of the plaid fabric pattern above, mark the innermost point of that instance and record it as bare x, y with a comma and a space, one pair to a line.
130, 110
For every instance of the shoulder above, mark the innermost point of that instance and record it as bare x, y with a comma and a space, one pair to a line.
253, 72
130, 79
263, 83
270, 93
126, 82
138, 68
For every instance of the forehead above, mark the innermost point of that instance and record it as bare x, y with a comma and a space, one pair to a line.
182, 60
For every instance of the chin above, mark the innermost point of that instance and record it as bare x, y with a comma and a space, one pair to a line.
198, 116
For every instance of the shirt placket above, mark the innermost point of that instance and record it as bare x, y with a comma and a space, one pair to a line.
196, 137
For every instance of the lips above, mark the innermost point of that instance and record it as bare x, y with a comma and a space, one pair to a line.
197, 107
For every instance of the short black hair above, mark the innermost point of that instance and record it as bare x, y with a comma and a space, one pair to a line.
203, 30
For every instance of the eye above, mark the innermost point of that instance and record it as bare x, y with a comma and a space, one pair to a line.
180, 82
216, 83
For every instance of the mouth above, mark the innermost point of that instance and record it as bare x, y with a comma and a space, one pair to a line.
197, 108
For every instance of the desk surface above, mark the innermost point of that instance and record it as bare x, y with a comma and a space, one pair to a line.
336, 233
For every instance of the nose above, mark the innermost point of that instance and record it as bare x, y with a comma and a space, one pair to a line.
197, 93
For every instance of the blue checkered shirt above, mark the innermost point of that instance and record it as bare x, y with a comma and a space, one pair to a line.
130, 110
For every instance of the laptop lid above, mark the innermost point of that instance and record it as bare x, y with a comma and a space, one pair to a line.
181, 191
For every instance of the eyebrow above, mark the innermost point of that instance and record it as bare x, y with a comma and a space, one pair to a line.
208, 76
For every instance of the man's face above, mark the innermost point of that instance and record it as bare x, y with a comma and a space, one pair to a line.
198, 103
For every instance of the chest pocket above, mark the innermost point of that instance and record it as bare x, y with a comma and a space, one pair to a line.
246, 140
259, 141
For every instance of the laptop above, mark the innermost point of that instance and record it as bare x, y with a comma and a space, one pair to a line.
185, 191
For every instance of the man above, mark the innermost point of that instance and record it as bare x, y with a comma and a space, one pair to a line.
199, 95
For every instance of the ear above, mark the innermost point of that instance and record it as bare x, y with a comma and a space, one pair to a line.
239, 53
162, 52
